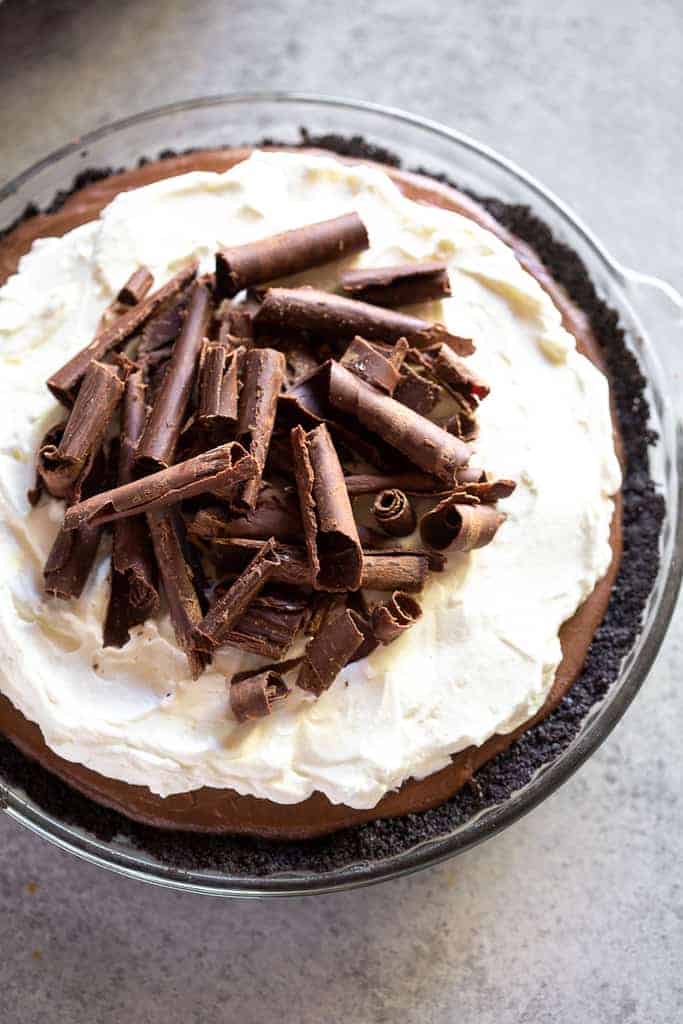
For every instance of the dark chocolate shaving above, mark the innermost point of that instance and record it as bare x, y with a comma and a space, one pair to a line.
423, 442
453, 373
488, 491
463, 424
65, 382
330, 531
372, 483
134, 595
49, 443
162, 329
175, 569
73, 552
399, 570
401, 285
215, 470
371, 365
263, 377
324, 606
136, 287
233, 554
420, 395
463, 527
160, 437
382, 570
218, 388
256, 695
235, 322
70, 560
394, 617
393, 513
359, 608
328, 652
84, 432
301, 363
230, 606
307, 403
471, 475
276, 515
338, 318
288, 253
270, 624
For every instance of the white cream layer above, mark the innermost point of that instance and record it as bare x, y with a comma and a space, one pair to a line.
483, 657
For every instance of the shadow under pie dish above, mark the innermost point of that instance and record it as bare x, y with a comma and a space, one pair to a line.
318, 813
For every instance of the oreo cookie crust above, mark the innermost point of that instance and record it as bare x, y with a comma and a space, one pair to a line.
643, 512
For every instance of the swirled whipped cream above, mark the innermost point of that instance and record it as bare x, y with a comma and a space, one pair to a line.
482, 658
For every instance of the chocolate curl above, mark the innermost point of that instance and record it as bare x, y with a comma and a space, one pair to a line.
270, 623
264, 374
65, 382
328, 652
372, 483
463, 424
288, 253
394, 513
338, 318
453, 373
215, 627
136, 287
402, 285
330, 531
162, 329
214, 470
233, 554
168, 538
359, 608
301, 363
307, 402
456, 523
398, 570
420, 395
134, 595
370, 365
73, 552
236, 327
471, 475
382, 570
423, 442
276, 515
324, 606
160, 437
85, 430
399, 613
50, 443
256, 695
218, 389
489, 491
70, 560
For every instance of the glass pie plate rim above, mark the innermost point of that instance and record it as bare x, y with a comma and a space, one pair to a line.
647, 305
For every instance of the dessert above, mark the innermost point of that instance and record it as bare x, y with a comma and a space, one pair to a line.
407, 731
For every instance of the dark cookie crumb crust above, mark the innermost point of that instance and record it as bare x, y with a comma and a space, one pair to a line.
643, 512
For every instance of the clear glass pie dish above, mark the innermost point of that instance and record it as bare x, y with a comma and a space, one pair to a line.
650, 311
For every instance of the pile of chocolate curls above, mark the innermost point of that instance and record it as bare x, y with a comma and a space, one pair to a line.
259, 450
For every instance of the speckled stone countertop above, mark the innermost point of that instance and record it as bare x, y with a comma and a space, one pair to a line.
574, 914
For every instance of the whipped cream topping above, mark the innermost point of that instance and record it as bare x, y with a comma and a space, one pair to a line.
482, 658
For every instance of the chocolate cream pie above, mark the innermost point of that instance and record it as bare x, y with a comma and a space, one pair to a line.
327, 503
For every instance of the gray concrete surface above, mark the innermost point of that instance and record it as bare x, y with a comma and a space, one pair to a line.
575, 914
